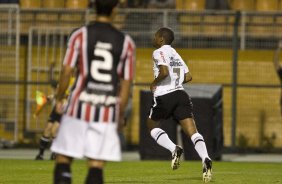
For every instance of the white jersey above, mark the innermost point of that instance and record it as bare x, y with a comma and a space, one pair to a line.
166, 55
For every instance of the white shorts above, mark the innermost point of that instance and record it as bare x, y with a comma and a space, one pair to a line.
77, 138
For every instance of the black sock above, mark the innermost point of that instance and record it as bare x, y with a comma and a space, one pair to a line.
44, 142
62, 174
95, 176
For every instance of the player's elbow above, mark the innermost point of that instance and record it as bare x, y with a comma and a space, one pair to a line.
188, 77
165, 73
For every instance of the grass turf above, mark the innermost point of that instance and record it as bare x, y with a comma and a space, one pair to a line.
151, 172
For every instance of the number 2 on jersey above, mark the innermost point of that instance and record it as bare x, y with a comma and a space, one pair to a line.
106, 63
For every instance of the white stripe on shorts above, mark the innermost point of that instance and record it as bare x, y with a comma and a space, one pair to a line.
151, 110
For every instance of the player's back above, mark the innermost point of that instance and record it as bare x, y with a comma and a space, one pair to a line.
105, 56
105, 45
166, 55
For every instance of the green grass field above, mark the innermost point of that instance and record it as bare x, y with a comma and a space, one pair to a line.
152, 172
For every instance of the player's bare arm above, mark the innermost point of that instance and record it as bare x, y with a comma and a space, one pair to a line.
125, 86
162, 75
63, 86
187, 77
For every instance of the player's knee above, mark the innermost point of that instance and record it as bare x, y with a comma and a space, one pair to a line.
54, 133
96, 164
47, 133
63, 159
151, 124
188, 126
48, 130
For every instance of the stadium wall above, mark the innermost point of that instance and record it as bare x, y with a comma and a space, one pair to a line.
258, 113
258, 119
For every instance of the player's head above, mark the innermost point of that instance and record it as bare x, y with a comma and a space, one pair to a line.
105, 7
164, 36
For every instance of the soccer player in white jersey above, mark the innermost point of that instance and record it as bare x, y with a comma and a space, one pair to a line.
170, 99
104, 58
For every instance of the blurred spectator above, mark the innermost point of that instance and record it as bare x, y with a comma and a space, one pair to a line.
217, 4
161, 4
9, 1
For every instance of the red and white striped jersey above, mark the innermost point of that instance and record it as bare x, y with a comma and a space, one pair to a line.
103, 55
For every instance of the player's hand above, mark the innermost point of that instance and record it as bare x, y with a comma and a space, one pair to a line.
50, 97
153, 87
60, 106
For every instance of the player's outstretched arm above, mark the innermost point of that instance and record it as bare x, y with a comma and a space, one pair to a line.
187, 77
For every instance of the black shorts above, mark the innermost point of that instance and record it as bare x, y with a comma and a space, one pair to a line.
176, 104
54, 116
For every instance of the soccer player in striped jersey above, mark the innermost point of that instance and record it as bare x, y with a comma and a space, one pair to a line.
170, 99
90, 123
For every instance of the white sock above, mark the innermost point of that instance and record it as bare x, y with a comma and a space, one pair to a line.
200, 146
162, 139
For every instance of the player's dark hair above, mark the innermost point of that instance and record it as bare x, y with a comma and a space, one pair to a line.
105, 7
167, 34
